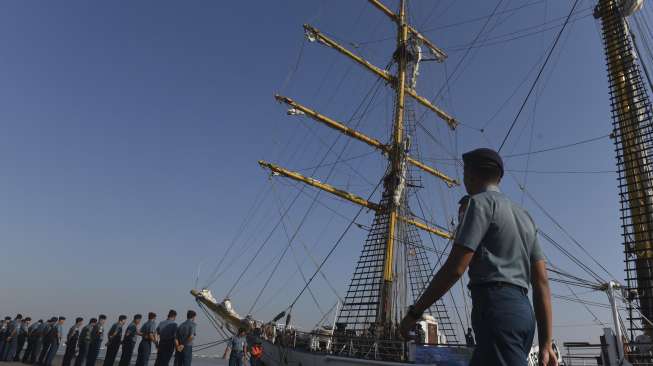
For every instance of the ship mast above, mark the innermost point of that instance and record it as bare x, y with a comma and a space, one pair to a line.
633, 133
370, 306
395, 180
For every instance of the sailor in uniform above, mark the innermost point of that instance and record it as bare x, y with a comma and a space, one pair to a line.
55, 340
166, 332
32, 337
129, 340
71, 342
22, 337
184, 340
148, 335
95, 341
11, 344
84, 341
4, 325
113, 341
45, 338
497, 240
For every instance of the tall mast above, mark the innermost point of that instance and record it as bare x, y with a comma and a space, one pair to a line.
376, 296
633, 132
394, 181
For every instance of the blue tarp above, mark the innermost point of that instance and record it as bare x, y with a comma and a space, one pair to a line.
443, 355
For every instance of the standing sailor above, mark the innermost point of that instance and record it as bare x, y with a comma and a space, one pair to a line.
84, 341
129, 341
95, 341
71, 342
166, 332
45, 340
22, 337
4, 328
237, 348
113, 341
184, 340
32, 341
12, 338
498, 241
148, 335
55, 340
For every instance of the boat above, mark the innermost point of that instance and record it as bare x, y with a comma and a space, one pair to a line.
395, 265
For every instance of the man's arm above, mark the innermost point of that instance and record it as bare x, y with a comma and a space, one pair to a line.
542, 307
447, 276
542, 302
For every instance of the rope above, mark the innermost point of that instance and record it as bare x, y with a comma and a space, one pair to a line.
539, 74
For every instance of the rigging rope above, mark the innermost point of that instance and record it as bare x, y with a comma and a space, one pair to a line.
539, 74
559, 147
333, 248
371, 96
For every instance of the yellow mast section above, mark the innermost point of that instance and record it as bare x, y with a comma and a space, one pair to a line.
437, 52
341, 127
315, 34
275, 169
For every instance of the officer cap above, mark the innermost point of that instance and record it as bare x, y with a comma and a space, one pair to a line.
483, 158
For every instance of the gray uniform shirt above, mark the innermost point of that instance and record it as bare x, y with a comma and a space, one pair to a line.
503, 237
57, 332
185, 331
130, 333
148, 328
167, 330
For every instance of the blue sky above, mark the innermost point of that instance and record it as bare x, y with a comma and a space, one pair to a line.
131, 132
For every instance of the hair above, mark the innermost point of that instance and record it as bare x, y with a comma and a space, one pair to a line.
151, 315
19, 316
40, 321
102, 317
138, 317
79, 319
122, 317
28, 319
53, 319
172, 313
62, 318
190, 314
242, 330
92, 321
7, 318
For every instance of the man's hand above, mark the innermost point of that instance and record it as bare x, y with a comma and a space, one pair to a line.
547, 356
407, 324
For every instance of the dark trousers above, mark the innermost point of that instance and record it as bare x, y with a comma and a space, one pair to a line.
36, 351
45, 348
184, 357
127, 352
69, 354
54, 347
166, 349
3, 345
93, 352
81, 353
112, 351
10, 349
144, 350
19, 346
504, 325
235, 358
28, 350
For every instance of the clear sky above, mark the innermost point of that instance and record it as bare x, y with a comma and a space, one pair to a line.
131, 132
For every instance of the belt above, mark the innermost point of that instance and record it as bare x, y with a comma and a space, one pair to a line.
498, 284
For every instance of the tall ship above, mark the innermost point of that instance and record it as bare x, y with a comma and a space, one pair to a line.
399, 257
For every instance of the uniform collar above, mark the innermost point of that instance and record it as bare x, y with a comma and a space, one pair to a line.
492, 188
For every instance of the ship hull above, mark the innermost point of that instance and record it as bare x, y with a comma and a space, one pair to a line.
275, 354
